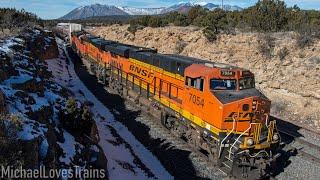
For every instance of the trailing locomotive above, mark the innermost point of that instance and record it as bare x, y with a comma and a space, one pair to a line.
214, 107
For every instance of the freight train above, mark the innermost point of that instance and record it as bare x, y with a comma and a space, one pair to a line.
215, 107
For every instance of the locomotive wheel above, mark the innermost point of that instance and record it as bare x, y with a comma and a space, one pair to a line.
177, 129
170, 122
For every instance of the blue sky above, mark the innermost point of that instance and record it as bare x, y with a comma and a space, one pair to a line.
50, 9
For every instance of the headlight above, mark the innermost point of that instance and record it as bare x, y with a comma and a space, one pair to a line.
275, 137
249, 142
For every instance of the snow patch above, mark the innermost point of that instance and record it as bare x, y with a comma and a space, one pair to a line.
18, 79
31, 129
44, 148
69, 148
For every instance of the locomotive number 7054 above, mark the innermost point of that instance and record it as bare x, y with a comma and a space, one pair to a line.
196, 100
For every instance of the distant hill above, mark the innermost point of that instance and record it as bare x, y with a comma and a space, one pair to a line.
98, 10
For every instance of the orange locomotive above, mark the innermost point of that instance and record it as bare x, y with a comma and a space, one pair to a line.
215, 107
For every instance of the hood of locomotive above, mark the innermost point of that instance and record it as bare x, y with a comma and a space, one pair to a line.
248, 105
247, 111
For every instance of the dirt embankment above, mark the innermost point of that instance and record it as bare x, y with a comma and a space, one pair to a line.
290, 76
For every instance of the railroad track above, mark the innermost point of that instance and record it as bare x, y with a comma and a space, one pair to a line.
303, 147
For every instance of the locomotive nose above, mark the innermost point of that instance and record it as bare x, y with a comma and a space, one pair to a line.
261, 109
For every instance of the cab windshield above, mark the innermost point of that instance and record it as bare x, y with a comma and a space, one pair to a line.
223, 84
246, 83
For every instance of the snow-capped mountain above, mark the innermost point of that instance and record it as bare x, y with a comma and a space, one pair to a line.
186, 6
92, 11
180, 7
211, 6
142, 11
105, 10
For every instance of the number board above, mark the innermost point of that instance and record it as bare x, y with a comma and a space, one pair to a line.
227, 73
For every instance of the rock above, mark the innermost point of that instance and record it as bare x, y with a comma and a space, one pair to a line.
94, 134
21, 94
3, 108
30, 150
50, 159
31, 86
31, 101
6, 67
44, 46
3, 75
44, 115
275, 85
101, 162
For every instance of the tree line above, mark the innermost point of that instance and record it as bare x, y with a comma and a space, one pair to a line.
11, 18
264, 16
94, 21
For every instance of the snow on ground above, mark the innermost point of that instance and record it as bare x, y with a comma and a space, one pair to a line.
18, 79
21, 102
69, 146
31, 129
65, 75
5, 46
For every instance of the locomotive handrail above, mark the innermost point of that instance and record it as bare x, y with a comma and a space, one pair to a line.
225, 138
232, 146
267, 117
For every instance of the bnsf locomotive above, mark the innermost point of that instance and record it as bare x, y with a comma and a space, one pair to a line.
213, 106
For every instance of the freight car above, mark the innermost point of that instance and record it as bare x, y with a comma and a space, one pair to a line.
214, 107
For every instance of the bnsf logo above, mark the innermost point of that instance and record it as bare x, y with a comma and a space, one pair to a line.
141, 71
240, 117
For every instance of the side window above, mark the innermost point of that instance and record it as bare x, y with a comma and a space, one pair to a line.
178, 67
197, 83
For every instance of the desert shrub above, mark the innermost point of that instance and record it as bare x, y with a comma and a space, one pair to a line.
266, 45
315, 59
71, 106
304, 40
133, 28
75, 119
180, 45
10, 125
196, 15
215, 21
156, 21
181, 20
210, 34
268, 16
283, 52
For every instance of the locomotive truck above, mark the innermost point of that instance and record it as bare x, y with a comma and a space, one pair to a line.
215, 107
